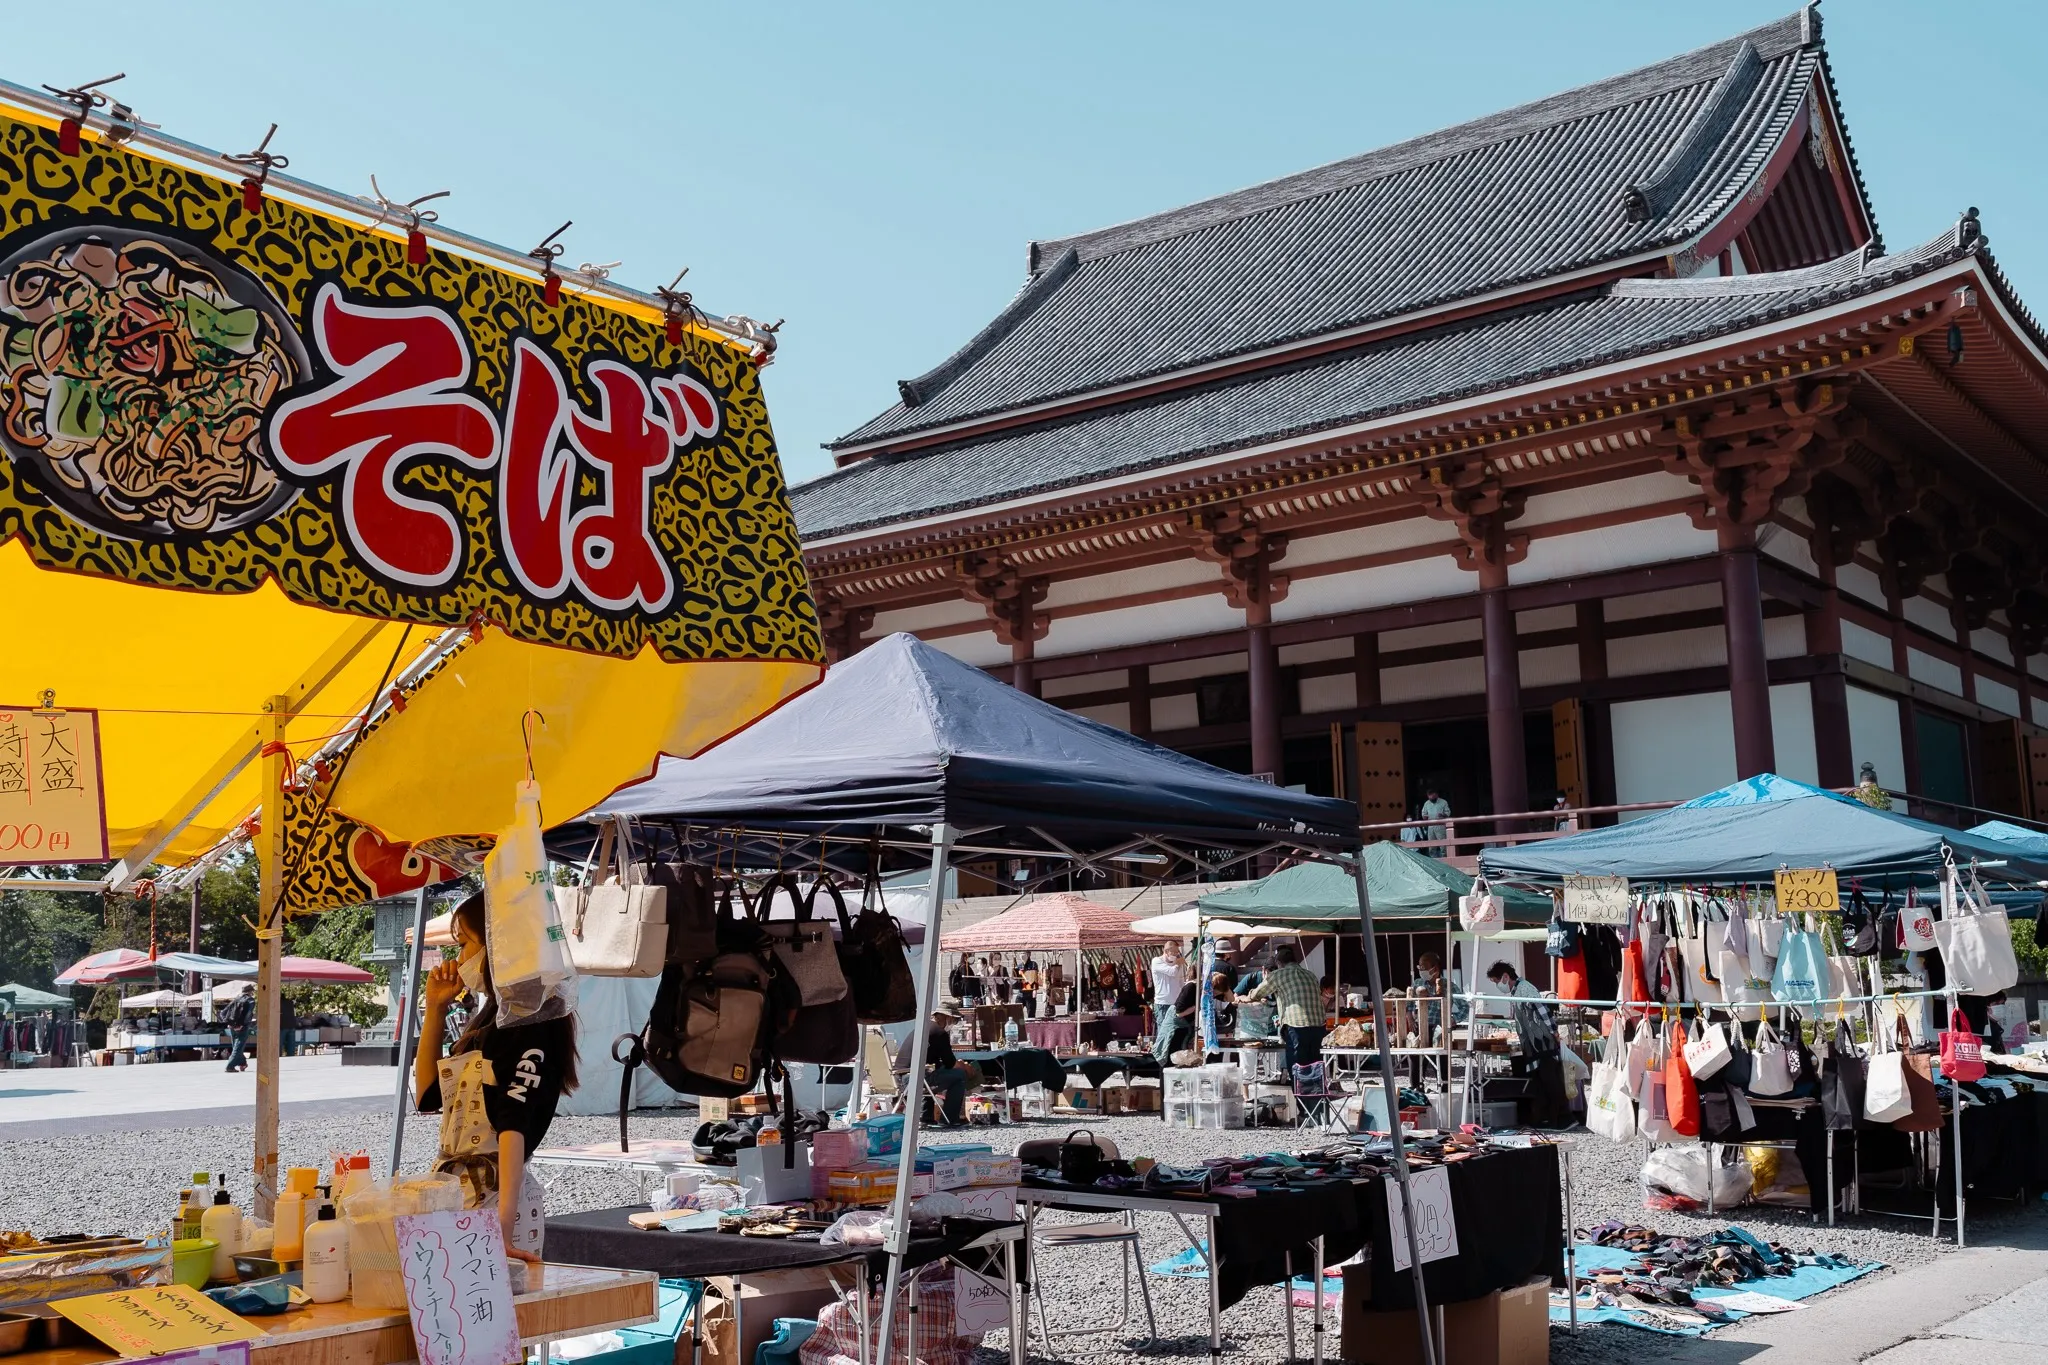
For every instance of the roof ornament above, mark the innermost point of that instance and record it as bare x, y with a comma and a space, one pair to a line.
1969, 231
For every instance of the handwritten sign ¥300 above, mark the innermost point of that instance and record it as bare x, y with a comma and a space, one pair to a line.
1808, 890
1436, 1225
1596, 900
456, 1287
158, 1319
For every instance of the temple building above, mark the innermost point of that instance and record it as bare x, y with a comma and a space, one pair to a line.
1601, 446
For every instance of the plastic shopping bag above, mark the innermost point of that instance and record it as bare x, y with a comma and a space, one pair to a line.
530, 969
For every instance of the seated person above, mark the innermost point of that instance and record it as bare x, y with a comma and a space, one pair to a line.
942, 1070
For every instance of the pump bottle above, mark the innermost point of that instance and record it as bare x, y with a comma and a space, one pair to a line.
222, 1223
325, 1276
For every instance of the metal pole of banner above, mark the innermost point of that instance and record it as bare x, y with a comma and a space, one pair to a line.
1955, 1095
913, 1101
408, 1025
1393, 1093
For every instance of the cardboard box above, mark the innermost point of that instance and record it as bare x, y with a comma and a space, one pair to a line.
995, 1170
1506, 1327
761, 1298
1141, 1099
764, 1178
839, 1148
989, 1201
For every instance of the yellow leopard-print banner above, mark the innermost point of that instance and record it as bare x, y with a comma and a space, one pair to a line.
152, 328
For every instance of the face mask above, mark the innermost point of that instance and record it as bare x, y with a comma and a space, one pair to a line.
471, 970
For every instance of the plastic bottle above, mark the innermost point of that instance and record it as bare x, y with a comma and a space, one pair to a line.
325, 1275
290, 1218
358, 1174
178, 1229
1010, 1031
223, 1223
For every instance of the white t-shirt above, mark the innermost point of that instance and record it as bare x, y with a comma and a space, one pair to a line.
1168, 977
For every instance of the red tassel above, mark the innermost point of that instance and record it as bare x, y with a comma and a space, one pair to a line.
252, 196
415, 247
551, 289
67, 137
675, 329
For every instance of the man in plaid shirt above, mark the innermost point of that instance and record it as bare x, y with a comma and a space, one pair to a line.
1299, 995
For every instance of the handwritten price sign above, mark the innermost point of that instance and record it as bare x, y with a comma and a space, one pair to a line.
456, 1288
1808, 890
158, 1319
1596, 900
1436, 1225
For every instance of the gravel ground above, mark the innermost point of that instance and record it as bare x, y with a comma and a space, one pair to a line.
128, 1181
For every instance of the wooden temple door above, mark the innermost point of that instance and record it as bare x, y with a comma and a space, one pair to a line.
1568, 744
1380, 772
2004, 745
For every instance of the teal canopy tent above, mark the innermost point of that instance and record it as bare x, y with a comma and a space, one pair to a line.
26, 998
1404, 884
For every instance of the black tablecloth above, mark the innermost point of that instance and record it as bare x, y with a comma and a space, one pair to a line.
1019, 1066
2005, 1148
603, 1237
1100, 1068
1510, 1214
1255, 1237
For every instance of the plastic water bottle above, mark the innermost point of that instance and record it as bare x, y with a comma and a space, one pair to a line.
1010, 1031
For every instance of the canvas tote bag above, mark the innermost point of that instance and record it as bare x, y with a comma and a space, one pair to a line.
1975, 942
1610, 1108
1885, 1098
620, 921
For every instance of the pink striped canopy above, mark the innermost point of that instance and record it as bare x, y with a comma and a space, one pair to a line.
1061, 923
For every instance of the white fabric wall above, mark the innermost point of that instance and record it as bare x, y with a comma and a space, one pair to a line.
1676, 748
1874, 736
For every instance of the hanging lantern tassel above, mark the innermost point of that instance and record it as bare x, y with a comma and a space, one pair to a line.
551, 289
67, 136
415, 246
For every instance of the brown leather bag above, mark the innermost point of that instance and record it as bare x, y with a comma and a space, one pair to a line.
1926, 1115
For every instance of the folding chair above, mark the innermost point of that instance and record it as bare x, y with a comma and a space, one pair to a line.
1120, 1232
1315, 1099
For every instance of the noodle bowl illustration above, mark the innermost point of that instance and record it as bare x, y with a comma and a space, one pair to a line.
134, 375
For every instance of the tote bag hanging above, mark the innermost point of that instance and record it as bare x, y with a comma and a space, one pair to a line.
1842, 1083
619, 923
1770, 1072
1976, 944
1962, 1055
1481, 912
1802, 974
1709, 1053
1651, 1118
1885, 1098
1916, 926
1681, 1096
1610, 1108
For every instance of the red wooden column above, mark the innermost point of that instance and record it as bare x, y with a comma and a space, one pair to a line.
1365, 668
1504, 739
1749, 681
1833, 753
1968, 653
1267, 755
1140, 693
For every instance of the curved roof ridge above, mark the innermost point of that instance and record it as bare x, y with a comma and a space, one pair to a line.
1706, 63
1863, 262
1657, 193
1036, 290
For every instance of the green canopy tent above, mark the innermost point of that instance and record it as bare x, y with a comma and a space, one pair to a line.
1404, 884
17, 999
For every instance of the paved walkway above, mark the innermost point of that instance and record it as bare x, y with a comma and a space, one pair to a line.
65, 1100
1978, 1306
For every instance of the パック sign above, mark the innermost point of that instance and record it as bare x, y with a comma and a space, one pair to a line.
199, 394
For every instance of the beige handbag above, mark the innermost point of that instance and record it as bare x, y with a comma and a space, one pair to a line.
620, 924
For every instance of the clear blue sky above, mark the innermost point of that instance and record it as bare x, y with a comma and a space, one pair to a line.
872, 171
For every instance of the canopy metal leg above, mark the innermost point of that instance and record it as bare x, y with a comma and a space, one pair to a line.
927, 1000
408, 1015
1372, 967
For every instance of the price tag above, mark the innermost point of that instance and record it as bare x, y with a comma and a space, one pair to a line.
52, 806
457, 1290
1596, 900
1436, 1226
1808, 890
980, 1304
157, 1320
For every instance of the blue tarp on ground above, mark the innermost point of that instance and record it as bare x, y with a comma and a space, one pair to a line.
1750, 829
1802, 1283
904, 734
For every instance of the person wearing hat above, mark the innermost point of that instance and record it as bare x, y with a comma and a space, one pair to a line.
942, 1070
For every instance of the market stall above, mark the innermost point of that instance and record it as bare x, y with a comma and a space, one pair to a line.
905, 753
426, 532
1095, 936
1740, 917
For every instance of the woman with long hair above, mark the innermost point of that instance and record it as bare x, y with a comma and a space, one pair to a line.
504, 1083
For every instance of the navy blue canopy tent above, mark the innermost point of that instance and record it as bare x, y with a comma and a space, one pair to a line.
1749, 830
904, 749
903, 734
